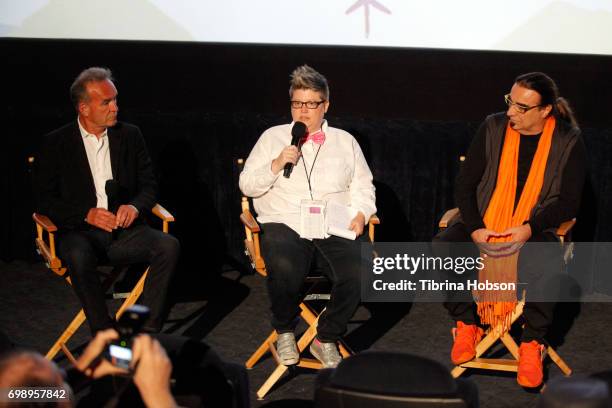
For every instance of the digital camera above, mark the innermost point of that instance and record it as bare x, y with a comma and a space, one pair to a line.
119, 352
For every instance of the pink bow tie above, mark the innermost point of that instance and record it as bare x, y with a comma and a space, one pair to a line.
316, 137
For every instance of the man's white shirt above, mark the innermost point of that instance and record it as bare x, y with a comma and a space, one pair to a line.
98, 156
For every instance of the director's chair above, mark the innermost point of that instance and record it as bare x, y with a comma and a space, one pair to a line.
46, 248
308, 313
495, 334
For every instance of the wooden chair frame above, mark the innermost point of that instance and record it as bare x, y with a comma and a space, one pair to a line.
46, 248
307, 313
495, 334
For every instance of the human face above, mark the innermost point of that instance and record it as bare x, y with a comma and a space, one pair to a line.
312, 118
532, 121
100, 111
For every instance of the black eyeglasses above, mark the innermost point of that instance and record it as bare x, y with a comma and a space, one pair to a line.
309, 104
520, 108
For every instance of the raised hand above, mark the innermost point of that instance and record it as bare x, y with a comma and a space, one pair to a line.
289, 154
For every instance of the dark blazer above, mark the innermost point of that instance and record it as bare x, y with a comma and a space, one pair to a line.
63, 182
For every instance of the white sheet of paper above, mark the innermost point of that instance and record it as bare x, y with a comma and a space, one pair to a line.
338, 218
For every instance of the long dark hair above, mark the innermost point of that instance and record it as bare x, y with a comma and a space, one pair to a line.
549, 94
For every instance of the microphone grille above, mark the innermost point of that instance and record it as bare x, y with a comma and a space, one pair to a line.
298, 130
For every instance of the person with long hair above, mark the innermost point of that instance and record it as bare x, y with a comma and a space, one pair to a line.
522, 177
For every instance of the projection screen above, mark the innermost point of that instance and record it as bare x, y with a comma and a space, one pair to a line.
568, 26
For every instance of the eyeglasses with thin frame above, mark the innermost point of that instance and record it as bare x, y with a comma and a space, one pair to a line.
309, 104
520, 108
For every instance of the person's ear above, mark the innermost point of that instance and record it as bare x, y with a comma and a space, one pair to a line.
83, 109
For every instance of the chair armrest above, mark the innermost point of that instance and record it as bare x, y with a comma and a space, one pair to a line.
448, 217
374, 220
47, 249
251, 242
44, 222
249, 221
162, 213
566, 227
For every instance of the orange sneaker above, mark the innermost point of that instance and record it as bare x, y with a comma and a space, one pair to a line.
530, 372
467, 337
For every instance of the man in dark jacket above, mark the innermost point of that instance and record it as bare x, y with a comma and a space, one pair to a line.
94, 179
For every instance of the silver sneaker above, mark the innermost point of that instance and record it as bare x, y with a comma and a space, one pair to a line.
326, 353
287, 349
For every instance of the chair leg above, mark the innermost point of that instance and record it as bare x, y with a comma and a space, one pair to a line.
262, 350
303, 342
486, 343
344, 349
67, 334
134, 295
80, 317
457, 371
510, 345
559, 361
308, 314
272, 379
307, 337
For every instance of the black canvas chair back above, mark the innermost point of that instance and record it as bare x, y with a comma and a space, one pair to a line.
379, 379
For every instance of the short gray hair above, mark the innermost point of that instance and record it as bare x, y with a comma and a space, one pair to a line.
78, 89
306, 77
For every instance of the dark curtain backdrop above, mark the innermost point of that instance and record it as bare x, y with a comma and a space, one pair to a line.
202, 106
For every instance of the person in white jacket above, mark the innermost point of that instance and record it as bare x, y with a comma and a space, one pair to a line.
328, 166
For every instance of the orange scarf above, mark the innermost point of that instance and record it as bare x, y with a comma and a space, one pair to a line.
495, 307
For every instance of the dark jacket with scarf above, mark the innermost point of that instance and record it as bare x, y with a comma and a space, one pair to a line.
564, 176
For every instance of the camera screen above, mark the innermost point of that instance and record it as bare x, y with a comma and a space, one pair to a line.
120, 356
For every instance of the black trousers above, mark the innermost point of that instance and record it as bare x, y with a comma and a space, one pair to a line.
290, 258
84, 251
534, 269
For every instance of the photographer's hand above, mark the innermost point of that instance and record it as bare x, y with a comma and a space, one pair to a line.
152, 372
91, 363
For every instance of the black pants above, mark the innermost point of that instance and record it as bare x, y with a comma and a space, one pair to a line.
289, 258
83, 251
538, 315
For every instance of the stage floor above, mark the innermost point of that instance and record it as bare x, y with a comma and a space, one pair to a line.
230, 313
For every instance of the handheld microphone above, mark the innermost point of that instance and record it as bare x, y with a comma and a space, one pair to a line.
297, 132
